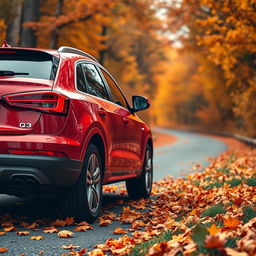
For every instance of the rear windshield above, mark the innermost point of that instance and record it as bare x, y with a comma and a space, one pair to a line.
28, 63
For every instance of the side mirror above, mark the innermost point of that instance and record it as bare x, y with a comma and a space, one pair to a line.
139, 103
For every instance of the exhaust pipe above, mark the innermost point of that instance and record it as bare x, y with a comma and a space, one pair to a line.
24, 184
17, 182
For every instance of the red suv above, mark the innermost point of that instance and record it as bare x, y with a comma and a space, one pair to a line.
66, 127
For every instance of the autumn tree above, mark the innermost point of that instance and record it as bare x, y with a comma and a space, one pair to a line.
226, 32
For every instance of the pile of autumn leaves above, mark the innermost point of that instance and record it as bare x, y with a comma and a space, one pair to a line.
208, 213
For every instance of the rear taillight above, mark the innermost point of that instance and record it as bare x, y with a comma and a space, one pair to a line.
46, 101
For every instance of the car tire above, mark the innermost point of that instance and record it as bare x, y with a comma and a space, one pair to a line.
141, 187
83, 201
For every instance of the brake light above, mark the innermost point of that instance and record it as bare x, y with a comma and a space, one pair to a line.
45, 101
37, 152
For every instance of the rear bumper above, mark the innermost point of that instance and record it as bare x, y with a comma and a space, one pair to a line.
46, 170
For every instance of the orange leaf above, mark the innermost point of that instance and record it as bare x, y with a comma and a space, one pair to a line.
24, 224
7, 224
83, 228
110, 216
120, 251
50, 230
96, 252
231, 222
213, 230
36, 237
105, 222
2, 233
22, 233
83, 223
177, 208
214, 242
70, 247
120, 231
59, 223
3, 250
69, 221
10, 229
32, 226
65, 234
232, 252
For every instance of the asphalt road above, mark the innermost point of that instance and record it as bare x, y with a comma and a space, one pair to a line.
173, 159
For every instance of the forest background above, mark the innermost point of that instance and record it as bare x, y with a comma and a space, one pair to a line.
195, 59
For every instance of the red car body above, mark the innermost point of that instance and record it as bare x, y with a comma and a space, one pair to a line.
46, 126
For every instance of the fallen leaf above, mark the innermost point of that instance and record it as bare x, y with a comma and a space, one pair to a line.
59, 223
120, 231
214, 242
36, 237
23, 233
213, 229
232, 252
50, 230
97, 252
8, 229
83, 228
3, 250
7, 224
32, 226
69, 221
70, 247
65, 234
2, 233
230, 222
104, 222
83, 223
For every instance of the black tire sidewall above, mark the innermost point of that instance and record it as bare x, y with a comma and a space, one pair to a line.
136, 188
146, 192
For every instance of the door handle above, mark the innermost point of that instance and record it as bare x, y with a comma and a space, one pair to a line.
102, 112
125, 120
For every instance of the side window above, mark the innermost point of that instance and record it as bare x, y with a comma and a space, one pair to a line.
117, 96
80, 79
95, 84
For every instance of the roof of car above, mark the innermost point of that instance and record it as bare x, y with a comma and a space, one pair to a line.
61, 50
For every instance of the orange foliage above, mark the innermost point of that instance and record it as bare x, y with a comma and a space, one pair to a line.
225, 32
2, 30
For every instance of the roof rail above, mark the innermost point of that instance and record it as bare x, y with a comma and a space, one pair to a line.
76, 51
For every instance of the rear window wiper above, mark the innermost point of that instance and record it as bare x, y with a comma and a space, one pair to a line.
12, 73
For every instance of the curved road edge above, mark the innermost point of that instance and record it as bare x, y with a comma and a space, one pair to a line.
189, 149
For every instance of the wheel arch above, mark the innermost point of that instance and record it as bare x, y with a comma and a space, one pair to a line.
97, 137
97, 140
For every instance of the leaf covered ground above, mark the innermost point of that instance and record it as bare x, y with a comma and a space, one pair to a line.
210, 212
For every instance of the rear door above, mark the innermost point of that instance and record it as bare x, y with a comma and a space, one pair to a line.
23, 71
107, 113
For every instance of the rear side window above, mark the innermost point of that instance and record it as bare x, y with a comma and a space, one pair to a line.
80, 79
28, 63
95, 83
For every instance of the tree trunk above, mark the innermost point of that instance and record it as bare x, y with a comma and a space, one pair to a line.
55, 33
30, 13
102, 53
14, 26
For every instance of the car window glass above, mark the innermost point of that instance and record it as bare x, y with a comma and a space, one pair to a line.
29, 63
117, 96
80, 79
95, 84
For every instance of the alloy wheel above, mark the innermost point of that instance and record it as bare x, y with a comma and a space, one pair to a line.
93, 183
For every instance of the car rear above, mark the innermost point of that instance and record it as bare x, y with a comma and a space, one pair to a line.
32, 153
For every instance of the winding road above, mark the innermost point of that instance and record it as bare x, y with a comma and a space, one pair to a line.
189, 149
